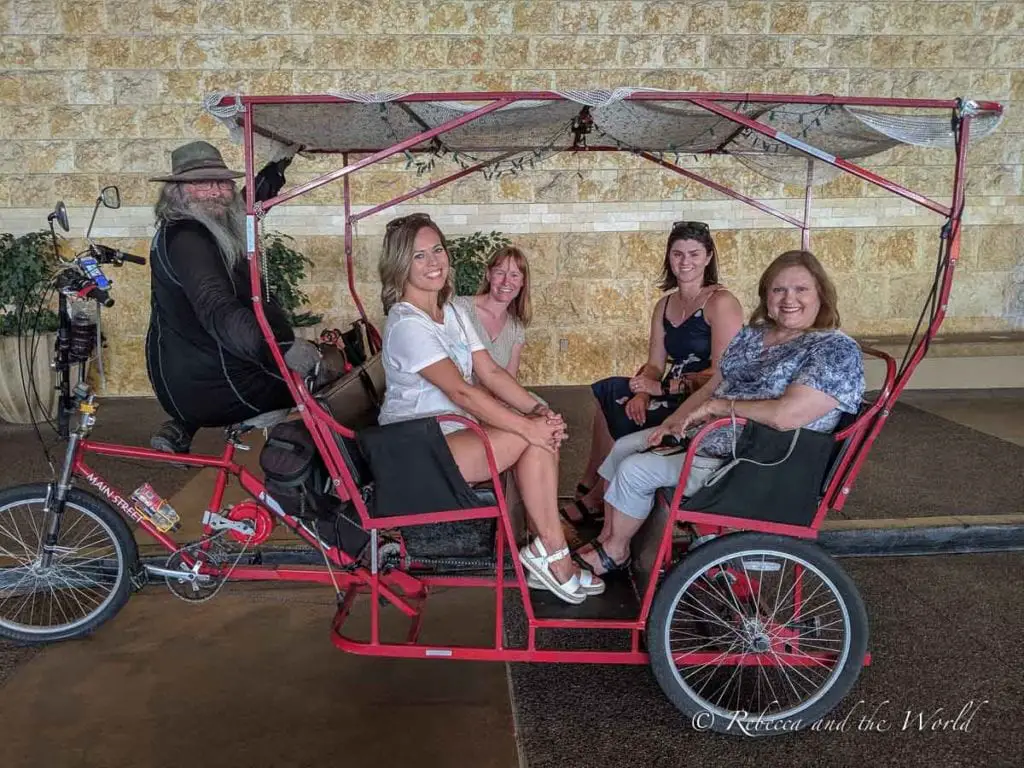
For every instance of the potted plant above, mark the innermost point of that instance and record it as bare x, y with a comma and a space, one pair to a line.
28, 327
286, 268
469, 255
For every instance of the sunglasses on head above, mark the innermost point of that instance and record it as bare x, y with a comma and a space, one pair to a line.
699, 225
394, 223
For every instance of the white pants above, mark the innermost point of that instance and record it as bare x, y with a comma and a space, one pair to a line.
634, 477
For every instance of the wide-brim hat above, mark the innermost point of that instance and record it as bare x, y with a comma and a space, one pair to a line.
198, 161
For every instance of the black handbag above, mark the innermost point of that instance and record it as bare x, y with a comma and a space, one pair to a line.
773, 476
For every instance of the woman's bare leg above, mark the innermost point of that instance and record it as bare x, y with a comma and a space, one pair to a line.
536, 473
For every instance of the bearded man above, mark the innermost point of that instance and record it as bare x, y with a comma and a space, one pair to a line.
206, 356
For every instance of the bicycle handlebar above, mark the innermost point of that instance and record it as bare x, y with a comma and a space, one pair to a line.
107, 255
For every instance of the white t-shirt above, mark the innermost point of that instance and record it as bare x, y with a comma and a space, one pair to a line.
412, 341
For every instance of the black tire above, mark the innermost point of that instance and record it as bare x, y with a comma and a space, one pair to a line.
683, 577
114, 571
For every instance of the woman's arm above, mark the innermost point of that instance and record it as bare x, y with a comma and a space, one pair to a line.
476, 401
799, 405
501, 383
513, 361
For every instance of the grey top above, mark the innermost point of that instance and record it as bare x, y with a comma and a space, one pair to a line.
511, 334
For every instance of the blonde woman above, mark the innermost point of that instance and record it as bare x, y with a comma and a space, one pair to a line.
431, 354
501, 310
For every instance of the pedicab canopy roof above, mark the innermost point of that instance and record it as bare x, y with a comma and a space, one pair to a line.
534, 125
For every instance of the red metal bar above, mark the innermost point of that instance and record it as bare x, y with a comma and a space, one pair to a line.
118, 502
402, 651
747, 524
838, 162
309, 574
499, 588
383, 154
724, 190
952, 254
780, 98
349, 269
147, 454
448, 516
588, 624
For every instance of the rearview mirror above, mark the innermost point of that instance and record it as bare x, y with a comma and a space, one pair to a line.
60, 214
111, 197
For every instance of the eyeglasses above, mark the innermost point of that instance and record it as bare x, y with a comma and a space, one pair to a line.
691, 225
395, 223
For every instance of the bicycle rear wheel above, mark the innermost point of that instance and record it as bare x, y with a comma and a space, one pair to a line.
88, 579
756, 634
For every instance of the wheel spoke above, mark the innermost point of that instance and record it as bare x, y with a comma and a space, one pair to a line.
85, 573
786, 642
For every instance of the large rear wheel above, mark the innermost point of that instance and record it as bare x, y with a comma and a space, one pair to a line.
757, 634
87, 580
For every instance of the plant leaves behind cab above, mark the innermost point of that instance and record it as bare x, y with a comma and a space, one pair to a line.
468, 256
27, 266
286, 269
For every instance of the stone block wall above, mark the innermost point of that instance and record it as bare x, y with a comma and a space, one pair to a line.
94, 92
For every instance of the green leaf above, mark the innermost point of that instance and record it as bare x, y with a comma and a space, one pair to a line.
469, 255
286, 269
27, 265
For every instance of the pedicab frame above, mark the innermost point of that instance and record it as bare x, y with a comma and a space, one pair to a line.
408, 592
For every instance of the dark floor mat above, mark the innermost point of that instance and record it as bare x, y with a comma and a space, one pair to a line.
923, 465
945, 634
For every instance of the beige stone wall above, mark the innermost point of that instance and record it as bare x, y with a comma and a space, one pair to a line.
98, 92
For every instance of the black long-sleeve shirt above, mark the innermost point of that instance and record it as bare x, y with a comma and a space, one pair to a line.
208, 360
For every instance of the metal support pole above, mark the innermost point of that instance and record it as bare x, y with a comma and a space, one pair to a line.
349, 261
805, 230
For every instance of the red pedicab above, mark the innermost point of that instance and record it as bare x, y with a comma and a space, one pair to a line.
745, 621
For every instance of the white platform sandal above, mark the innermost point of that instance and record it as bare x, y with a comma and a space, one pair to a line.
536, 564
589, 584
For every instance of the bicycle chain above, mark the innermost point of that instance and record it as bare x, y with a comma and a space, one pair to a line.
216, 555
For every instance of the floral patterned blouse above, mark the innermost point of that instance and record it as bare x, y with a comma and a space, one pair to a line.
829, 361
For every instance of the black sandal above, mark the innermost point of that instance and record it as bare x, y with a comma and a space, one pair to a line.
581, 490
587, 515
609, 565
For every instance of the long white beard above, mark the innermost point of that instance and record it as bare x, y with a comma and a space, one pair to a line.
225, 223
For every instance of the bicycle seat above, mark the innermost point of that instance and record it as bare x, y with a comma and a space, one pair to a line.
262, 420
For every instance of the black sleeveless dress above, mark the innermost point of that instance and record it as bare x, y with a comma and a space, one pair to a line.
688, 349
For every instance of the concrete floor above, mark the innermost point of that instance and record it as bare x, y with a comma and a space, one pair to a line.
251, 678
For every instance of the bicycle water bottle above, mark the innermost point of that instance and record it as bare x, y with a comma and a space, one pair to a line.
160, 513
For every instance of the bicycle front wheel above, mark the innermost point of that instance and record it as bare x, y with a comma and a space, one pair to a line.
87, 579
